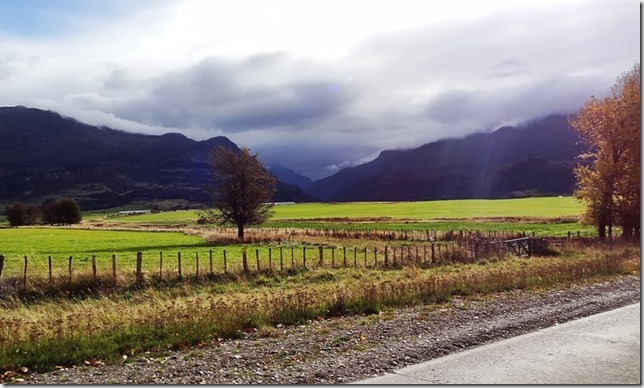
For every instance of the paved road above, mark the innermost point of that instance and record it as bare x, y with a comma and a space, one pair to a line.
600, 349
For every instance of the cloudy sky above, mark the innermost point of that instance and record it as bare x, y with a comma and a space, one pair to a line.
315, 85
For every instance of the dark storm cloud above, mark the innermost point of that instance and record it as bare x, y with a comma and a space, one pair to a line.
235, 96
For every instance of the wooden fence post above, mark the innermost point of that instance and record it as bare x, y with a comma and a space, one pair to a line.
225, 264
257, 257
114, 266
387, 256
197, 264
304, 256
365, 257
51, 279
375, 257
94, 268
344, 253
24, 281
332, 257
245, 260
1, 264
270, 259
160, 264
321, 256
139, 265
281, 259
70, 271
355, 257
292, 258
210, 257
433, 253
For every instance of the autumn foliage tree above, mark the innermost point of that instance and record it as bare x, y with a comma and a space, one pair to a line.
243, 188
608, 180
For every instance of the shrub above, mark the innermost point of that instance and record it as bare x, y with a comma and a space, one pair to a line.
64, 211
22, 214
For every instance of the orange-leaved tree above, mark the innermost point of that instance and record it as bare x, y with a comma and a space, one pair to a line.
609, 180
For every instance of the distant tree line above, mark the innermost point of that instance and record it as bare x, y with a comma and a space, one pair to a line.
63, 211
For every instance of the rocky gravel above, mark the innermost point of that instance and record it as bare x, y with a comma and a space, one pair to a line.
346, 349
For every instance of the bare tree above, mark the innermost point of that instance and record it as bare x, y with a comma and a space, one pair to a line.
243, 188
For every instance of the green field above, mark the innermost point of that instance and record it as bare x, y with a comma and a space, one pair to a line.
547, 207
68, 318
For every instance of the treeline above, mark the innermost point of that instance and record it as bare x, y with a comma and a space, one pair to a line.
63, 211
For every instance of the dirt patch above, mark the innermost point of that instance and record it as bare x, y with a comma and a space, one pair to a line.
346, 349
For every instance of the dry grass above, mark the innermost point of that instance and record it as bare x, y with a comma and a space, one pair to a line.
45, 334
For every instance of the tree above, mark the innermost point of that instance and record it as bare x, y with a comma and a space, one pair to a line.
22, 214
243, 188
63, 211
609, 180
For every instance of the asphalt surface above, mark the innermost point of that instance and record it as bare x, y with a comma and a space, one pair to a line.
600, 349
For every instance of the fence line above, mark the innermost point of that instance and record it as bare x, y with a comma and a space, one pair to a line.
429, 253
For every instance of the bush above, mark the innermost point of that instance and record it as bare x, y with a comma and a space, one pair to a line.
64, 211
22, 214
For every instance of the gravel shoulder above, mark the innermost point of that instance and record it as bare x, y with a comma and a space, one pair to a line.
347, 349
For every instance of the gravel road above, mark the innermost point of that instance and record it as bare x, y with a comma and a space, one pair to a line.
347, 349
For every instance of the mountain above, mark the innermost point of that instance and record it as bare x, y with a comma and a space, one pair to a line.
534, 159
286, 175
45, 155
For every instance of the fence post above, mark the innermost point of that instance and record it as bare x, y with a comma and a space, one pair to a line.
304, 256
292, 258
433, 253
344, 253
24, 281
1, 264
70, 271
114, 266
355, 257
210, 256
160, 264
332, 257
225, 264
197, 264
139, 265
51, 279
257, 257
94, 268
375, 257
270, 259
387, 255
281, 259
321, 256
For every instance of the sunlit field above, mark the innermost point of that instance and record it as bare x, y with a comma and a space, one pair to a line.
309, 261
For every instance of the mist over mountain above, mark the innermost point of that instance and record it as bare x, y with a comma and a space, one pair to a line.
46, 155
534, 159
289, 176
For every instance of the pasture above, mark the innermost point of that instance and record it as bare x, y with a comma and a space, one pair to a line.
309, 261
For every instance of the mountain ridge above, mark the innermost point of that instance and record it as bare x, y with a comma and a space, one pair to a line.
45, 155
476, 166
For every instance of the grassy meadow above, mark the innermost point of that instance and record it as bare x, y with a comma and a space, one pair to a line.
68, 319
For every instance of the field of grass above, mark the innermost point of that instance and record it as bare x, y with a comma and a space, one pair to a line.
57, 333
548, 207
45, 323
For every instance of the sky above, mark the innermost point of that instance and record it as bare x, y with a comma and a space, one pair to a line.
314, 85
